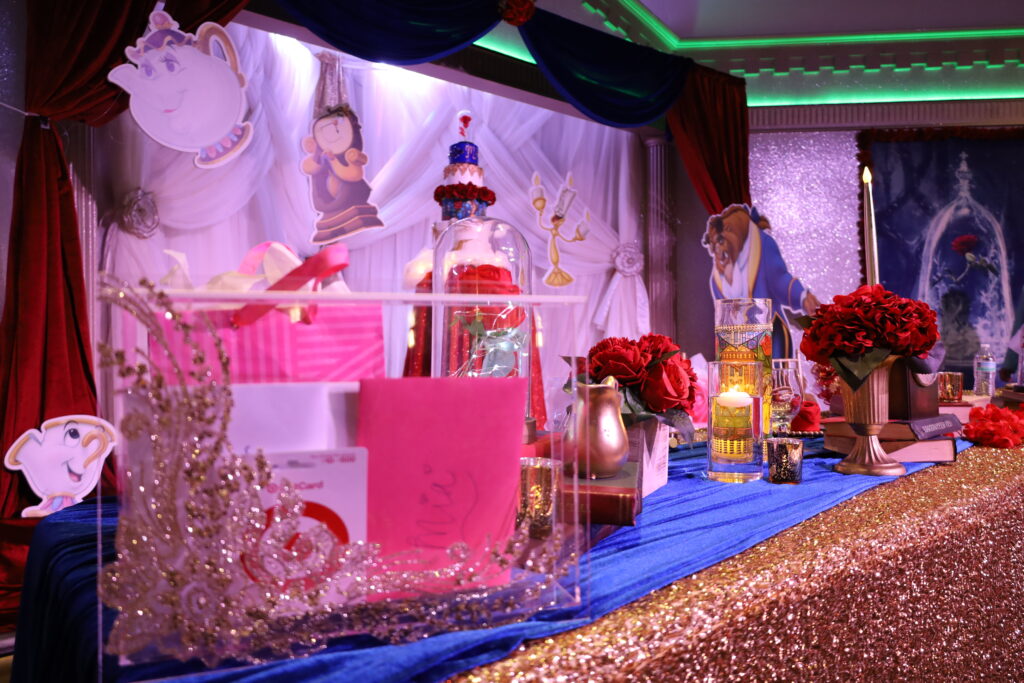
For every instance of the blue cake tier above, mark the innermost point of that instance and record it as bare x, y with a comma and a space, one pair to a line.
461, 208
463, 152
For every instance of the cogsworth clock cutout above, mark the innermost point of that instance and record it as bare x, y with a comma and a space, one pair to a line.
187, 91
62, 460
335, 162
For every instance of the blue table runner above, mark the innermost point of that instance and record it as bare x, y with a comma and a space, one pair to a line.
688, 525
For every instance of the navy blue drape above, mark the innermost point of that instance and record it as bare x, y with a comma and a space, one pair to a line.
396, 31
611, 80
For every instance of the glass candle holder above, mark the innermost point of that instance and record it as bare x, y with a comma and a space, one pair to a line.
743, 332
538, 488
785, 460
788, 389
951, 387
735, 421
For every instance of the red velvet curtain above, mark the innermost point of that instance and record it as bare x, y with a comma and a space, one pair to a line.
45, 350
709, 125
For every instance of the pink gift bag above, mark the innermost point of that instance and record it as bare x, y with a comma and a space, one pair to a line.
335, 343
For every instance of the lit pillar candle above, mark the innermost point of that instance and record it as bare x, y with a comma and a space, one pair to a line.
734, 398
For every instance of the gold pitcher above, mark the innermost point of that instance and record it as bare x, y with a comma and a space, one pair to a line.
596, 431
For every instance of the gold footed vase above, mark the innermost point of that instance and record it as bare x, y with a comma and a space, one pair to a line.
866, 411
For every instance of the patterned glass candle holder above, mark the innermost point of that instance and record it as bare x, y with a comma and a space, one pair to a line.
735, 421
743, 333
785, 460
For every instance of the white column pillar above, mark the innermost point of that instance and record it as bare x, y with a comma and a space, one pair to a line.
659, 241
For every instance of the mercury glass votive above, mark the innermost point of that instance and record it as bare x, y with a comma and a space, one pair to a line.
951, 387
735, 421
785, 460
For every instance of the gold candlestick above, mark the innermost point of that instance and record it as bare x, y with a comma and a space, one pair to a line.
870, 242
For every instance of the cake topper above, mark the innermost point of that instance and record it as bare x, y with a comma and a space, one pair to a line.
62, 460
187, 91
465, 117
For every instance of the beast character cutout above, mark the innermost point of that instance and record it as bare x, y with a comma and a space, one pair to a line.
187, 91
747, 263
62, 460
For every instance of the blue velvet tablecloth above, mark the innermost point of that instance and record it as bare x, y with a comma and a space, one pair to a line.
686, 526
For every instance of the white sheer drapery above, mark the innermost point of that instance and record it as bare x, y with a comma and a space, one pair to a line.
408, 120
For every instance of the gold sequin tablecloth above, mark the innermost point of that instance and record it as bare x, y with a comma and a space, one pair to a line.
918, 580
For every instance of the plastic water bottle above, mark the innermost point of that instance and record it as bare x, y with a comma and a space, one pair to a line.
984, 372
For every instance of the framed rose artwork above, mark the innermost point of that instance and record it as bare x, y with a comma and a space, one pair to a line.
948, 217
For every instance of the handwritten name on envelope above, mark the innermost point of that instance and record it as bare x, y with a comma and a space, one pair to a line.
443, 465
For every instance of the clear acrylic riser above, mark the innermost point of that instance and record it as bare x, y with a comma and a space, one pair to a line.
286, 479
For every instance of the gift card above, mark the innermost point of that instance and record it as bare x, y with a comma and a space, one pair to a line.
308, 548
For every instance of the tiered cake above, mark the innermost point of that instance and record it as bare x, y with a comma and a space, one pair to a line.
463, 193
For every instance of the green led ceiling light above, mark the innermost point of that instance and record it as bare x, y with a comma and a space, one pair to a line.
880, 96
673, 42
832, 93
510, 47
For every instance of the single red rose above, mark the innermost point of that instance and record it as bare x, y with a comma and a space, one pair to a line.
619, 358
965, 244
440, 193
657, 345
669, 385
486, 196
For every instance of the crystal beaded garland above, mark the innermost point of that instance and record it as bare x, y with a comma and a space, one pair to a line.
204, 571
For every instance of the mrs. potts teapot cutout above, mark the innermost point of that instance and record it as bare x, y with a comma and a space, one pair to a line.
62, 460
187, 91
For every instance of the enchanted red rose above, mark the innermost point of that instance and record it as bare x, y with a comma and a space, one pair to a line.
965, 244
620, 358
486, 279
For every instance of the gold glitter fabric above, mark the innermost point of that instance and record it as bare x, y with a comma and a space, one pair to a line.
921, 579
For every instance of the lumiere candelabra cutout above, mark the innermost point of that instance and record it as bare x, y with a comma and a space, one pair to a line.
557, 276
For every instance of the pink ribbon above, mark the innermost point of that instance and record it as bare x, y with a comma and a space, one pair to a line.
318, 267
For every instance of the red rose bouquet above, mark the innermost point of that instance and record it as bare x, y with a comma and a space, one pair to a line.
856, 333
656, 381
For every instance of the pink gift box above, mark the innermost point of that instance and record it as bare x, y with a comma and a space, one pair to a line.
343, 343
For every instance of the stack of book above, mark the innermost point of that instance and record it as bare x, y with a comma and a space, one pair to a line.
921, 440
962, 409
